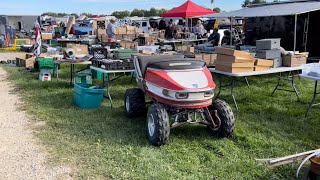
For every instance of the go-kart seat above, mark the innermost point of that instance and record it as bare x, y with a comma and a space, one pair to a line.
145, 61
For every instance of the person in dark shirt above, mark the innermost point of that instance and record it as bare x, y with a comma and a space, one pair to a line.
169, 34
162, 24
214, 38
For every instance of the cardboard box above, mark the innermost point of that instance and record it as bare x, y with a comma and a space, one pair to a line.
46, 36
131, 32
129, 45
144, 35
210, 59
27, 61
119, 36
234, 69
138, 31
232, 52
79, 48
268, 54
131, 28
268, 44
121, 30
264, 62
294, 60
261, 68
234, 59
229, 64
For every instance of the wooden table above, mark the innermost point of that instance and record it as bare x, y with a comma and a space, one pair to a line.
315, 93
280, 70
106, 84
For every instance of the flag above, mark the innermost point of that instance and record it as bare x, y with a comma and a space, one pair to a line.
37, 39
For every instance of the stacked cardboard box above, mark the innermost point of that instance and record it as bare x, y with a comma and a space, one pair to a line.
129, 45
103, 38
269, 49
210, 59
233, 61
79, 48
263, 64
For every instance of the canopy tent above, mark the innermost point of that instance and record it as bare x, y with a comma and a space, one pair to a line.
281, 9
272, 10
188, 10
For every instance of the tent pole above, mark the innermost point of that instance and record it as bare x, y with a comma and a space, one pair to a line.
295, 33
231, 24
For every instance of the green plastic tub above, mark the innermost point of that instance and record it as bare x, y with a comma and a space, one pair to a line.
124, 53
87, 98
84, 77
46, 63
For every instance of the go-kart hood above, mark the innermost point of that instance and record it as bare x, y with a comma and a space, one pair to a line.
181, 80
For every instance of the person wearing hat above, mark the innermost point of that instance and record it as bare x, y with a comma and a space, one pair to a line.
111, 30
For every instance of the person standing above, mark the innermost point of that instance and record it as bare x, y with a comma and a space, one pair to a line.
162, 25
111, 28
169, 34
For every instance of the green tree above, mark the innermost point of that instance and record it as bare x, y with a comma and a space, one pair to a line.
75, 15
121, 14
162, 11
218, 10
137, 12
153, 12
247, 3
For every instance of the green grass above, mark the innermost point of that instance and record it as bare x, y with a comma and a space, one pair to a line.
104, 144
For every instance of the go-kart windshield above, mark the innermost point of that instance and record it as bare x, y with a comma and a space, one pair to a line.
177, 65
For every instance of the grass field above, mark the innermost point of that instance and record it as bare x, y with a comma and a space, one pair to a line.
105, 144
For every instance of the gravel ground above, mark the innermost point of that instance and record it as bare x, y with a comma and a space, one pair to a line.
21, 156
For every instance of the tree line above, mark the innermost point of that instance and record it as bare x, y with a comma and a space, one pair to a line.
139, 13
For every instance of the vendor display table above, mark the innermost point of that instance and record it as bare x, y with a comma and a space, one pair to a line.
106, 84
281, 70
72, 67
315, 93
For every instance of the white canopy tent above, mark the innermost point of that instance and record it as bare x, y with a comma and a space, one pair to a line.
280, 9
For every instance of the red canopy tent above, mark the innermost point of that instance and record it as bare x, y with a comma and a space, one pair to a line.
188, 10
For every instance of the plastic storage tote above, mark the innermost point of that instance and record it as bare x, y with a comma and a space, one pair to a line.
124, 53
312, 69
84, 77
46, 63
87, 98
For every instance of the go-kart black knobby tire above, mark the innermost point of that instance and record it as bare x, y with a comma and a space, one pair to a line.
161, 128
226, 116
136, 102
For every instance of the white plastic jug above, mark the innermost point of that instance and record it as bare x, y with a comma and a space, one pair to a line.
45, 75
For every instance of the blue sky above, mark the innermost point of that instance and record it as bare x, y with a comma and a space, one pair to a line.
36, 7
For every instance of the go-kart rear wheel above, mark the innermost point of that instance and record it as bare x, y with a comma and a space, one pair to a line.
226, 116
158, 126
134, 102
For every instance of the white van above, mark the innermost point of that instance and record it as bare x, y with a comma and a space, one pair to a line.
142, 24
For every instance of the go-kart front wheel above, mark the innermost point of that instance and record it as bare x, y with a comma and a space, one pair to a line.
158, 126
134, 102
226, 116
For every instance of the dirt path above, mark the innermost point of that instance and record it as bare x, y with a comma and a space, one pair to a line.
21, 156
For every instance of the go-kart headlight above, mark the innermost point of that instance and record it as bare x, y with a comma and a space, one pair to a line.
165, 92
182, 95
208, 93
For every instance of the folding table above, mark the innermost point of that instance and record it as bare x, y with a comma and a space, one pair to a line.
106, 84
280, 70
315, 93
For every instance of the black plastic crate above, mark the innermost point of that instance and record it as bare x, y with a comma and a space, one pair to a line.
99, 53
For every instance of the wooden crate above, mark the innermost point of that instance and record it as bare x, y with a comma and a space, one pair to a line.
294, 60
210, 59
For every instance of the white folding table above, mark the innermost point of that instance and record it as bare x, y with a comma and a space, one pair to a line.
106, 84
280, 70
315, 93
